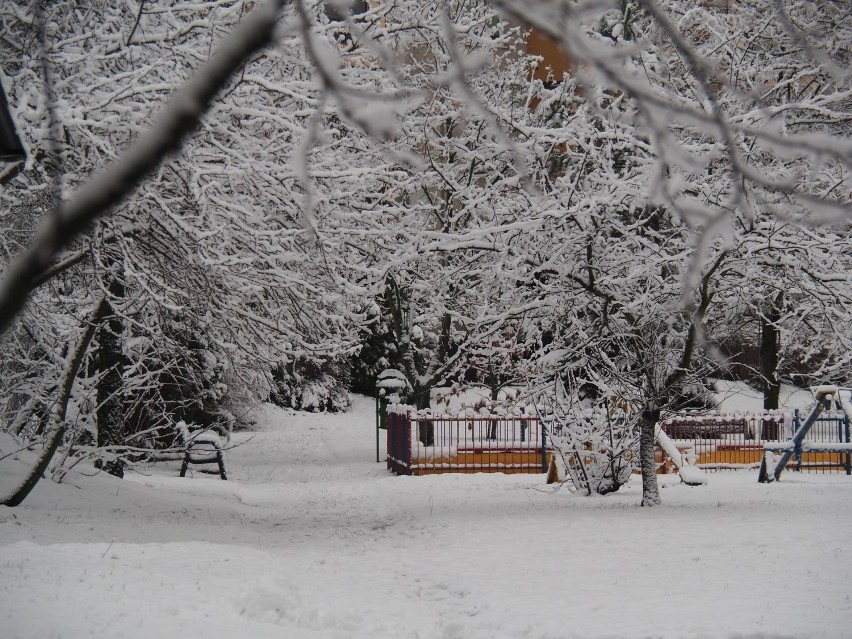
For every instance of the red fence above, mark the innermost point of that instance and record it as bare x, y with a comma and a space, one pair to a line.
420, 444
727, 442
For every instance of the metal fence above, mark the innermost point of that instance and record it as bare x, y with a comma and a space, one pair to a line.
422, 444
728, 442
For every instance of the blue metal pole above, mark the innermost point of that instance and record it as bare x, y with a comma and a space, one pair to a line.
799, 436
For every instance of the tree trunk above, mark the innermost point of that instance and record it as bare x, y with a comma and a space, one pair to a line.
110, 411
647, 447
57, 429
426, 429
770, 339
444, 338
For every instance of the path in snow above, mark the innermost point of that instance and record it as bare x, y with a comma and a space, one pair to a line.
312, 538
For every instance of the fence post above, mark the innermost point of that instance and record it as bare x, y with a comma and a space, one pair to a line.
389, 440
848, 453
407, 449
543, 444
798, 449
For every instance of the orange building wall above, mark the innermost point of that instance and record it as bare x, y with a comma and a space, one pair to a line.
555, 63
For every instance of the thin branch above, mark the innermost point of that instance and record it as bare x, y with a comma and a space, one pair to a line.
118, 181
135, 24
60, 408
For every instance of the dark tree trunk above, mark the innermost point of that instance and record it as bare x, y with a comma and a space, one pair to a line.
770, 340
444, 342
647, 448
426, 429
110, 411
422, 398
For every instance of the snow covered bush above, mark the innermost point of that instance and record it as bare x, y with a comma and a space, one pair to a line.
312, 385
378, 350
595, 439
179, 376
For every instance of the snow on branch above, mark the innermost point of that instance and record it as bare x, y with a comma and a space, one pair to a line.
116, 182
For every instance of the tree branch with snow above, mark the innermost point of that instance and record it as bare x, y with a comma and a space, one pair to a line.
116, 182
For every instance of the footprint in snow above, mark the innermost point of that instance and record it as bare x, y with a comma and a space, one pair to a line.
440, 592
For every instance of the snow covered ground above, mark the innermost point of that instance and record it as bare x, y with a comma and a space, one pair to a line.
738, 397
312, 538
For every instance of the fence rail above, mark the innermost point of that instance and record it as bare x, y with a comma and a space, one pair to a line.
419, 444
731, 442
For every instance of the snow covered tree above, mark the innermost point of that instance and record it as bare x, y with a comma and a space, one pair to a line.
212, 276
786, 298
603, 214
680, 145
786, 76
594, 440
467, 183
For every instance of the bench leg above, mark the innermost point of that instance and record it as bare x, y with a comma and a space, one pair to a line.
220, 457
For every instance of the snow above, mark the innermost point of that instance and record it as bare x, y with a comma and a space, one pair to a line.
739, 397
313, 539
845, 404
828, 390
391, 378
826, 446
692, 475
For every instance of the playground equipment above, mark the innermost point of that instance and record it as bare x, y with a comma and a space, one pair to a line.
603, 464
735, 441
771, 469
683, 457
729, 441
